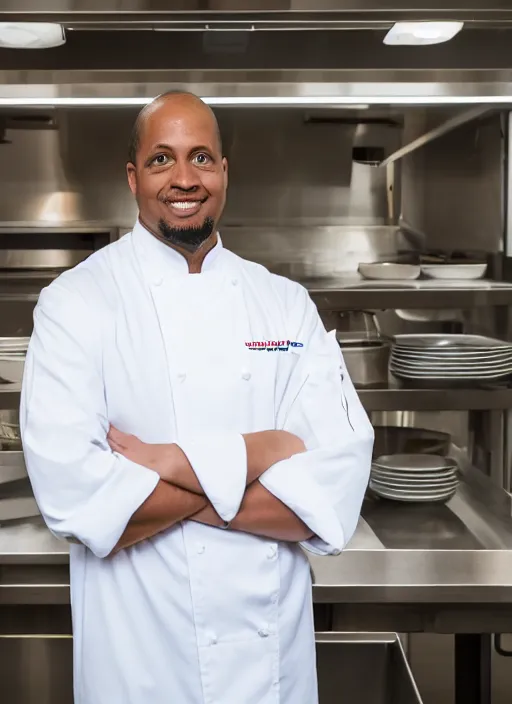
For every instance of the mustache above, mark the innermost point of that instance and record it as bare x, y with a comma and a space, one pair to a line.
189, 194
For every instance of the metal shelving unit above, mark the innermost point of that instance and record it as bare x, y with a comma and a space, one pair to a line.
10, 396
353, 294
498, 399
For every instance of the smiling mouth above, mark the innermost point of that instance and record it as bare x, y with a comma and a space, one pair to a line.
184, 208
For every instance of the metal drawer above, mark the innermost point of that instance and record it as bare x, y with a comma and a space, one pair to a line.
367, 668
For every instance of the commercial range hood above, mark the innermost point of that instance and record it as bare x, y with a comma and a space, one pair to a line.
266, 13
328, 53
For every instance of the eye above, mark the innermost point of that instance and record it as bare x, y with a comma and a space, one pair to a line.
160, 160
202, 159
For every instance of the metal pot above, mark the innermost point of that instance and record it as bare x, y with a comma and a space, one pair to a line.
366, 360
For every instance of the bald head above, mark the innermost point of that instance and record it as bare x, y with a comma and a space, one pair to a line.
170, 105
176, 170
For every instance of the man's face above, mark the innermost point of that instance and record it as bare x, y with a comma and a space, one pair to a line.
180, 178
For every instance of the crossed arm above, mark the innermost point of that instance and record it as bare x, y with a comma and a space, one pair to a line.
107, 501
179, 495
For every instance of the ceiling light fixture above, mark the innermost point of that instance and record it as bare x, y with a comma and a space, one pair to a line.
422, 33
354, 102
31, 35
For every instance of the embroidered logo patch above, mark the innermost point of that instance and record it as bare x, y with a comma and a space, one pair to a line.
273, 345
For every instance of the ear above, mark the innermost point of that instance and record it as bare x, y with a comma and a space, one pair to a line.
131, 173
225, 169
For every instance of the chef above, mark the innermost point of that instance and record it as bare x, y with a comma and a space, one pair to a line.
191, 429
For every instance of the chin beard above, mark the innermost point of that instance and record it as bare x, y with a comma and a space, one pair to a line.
189, 238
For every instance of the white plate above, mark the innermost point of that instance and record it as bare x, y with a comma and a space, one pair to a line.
413, 462
456, 370
441, 475
388, 271
452, 355
399, 496
432, 476
418, 486
449, 341
435, 376
454, 271
429, 364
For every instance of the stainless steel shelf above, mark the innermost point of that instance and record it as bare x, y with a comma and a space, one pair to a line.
380, 399
436, 399
10, 396
350, 294
21, 296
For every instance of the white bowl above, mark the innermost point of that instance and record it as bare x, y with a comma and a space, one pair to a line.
454, 271
388, 270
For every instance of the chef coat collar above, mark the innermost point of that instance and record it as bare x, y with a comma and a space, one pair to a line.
163, 260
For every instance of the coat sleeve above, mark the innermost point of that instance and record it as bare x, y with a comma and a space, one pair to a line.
84, 491
224, 489
325, 485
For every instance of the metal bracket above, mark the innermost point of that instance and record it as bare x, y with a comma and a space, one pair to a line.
447, 126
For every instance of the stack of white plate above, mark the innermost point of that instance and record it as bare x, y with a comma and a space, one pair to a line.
414, 477
13, 351
450, 359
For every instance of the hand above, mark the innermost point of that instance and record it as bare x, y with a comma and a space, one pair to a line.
208, 516
154, 456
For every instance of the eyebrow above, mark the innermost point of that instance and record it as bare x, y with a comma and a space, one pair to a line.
198, 148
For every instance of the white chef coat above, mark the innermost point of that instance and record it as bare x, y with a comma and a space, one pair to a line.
195, 615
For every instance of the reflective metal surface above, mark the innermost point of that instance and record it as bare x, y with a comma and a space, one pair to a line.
455, 553
365, 9
344, 661
37, 668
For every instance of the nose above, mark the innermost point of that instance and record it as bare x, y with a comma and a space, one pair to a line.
184, 176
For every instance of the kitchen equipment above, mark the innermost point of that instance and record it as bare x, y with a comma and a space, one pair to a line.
388, 270
390, 440
345, 659
10, 436
414, 477
454, 271
450, 359
366, 359
363, 322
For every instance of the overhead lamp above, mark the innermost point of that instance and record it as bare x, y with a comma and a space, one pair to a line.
31, 35
422, 33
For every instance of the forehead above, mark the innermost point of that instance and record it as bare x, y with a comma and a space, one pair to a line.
179, 127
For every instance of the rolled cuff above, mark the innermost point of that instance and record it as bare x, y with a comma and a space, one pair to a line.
102, 520
220, 463
291, 483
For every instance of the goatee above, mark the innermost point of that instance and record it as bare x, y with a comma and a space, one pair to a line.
189, 238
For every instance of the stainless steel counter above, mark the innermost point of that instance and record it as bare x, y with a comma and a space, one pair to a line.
458, 553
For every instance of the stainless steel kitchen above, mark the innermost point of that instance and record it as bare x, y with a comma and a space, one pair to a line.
369, 145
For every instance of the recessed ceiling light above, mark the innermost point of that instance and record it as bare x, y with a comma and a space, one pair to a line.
31, 35
422, 33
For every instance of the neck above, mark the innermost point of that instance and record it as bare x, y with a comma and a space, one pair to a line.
194, 259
